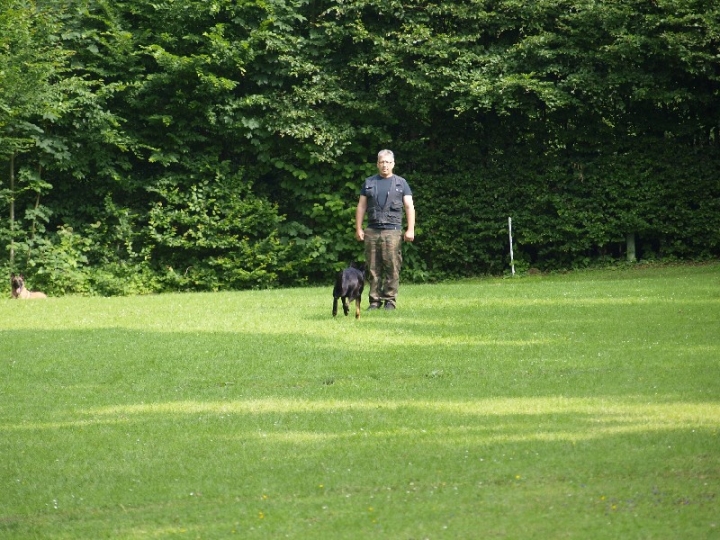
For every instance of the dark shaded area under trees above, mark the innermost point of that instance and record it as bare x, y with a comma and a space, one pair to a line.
185, 145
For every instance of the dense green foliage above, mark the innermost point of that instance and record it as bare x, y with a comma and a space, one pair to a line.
181, 145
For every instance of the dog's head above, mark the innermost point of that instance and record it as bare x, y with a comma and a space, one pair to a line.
358, 265
17, 282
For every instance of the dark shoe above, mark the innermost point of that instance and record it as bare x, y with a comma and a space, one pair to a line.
389, 306
373, 306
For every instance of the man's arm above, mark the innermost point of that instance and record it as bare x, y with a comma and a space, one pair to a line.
359, 216
410, 216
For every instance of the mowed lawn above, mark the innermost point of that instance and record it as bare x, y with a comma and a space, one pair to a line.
584, 405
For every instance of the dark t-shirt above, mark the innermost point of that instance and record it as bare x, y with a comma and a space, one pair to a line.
384, 185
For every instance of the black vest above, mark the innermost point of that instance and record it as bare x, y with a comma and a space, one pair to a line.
391, 212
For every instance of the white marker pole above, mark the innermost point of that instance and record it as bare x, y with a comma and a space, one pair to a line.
512, 261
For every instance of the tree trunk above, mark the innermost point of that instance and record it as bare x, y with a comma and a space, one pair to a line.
630, 239
12, 210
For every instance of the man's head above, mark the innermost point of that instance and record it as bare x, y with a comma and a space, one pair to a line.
385, 163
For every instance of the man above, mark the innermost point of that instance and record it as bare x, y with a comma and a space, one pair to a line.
383, 197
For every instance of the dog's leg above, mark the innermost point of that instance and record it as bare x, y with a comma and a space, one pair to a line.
335, 306
346, 308
357, 306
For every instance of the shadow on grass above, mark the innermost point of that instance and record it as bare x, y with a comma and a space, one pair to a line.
481, 422
178, 434
106, 376
382, 358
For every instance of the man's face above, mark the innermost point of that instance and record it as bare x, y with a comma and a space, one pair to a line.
385, 166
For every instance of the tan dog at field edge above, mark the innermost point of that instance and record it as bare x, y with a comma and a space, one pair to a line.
19, 290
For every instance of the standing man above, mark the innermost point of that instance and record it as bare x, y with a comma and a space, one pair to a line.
383, 197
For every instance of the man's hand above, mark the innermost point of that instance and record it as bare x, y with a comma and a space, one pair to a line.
410, 215
359, 216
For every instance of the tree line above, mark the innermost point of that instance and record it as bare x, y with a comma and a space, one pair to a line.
221, 144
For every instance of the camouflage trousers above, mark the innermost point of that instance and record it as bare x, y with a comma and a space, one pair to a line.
383, 260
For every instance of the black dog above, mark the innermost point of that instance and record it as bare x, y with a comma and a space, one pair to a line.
349, 286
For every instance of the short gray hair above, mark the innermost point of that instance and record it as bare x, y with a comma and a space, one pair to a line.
386, 153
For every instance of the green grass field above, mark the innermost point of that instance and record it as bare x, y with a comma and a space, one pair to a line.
584, 405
